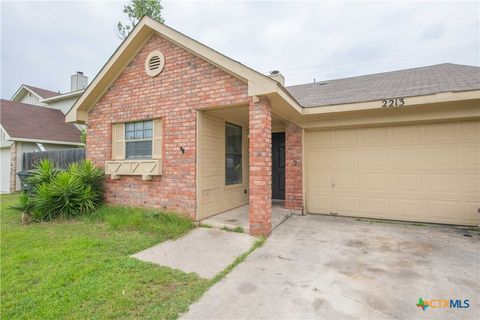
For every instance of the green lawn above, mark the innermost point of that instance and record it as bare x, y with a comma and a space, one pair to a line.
81, 269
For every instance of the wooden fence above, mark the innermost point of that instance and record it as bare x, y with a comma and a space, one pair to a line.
62, 158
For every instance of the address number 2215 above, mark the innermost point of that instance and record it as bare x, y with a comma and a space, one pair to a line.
397, 102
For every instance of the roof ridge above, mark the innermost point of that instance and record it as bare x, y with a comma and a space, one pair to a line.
380, 73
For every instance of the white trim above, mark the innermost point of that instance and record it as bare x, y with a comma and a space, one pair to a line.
258, 84
63, 96
47, 141
409, 101
7, 136
6, 144
14, 98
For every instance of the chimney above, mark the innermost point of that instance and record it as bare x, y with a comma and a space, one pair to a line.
78, 81
277, 76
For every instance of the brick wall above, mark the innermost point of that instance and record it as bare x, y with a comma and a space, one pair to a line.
260, 148
13, 167
187, 83
293, 167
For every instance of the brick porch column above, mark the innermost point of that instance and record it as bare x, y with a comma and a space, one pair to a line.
293, 167
260, 166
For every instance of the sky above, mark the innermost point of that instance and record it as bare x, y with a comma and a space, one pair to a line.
43, 43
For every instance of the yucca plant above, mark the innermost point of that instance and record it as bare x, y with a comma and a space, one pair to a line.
44, 172
63, 193
90, 175
25, 205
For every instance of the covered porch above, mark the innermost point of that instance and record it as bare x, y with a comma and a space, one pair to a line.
252, 180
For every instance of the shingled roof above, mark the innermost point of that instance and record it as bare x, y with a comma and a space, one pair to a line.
25, 121
428, 80
44, 93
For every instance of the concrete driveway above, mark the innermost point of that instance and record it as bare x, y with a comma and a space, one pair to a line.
343, 268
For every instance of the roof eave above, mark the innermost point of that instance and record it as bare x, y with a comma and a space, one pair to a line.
63, 96
412, 100
34, 140
16, 95
258, 84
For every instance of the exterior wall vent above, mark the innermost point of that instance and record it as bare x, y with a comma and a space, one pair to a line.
154, 63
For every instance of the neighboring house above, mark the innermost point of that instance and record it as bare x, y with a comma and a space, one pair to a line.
27, 128
179, 126
56, 100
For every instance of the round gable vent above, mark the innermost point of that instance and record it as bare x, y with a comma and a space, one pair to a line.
154, 63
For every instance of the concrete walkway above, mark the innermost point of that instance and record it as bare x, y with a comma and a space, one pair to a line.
321, 267
239, 217
204, 251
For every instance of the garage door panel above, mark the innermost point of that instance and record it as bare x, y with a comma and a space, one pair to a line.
406, 158
374, 207
406, 183
469, 132
347, 205
347, 137
322, 158
407, 209
320, 181
374, 160
345, 159
407, 135
374, 182
374, 136
345, 182
440, 133
471, 185
470, 211
444, 210
421, 172
442, 158
318, 139
5, 170
443, 184
320, 203
470, 158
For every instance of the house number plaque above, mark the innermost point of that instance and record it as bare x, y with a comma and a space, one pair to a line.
392, 103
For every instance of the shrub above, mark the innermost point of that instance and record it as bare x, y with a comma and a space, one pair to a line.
44, 172
63, 193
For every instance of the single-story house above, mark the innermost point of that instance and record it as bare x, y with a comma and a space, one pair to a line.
28, 128
179, 126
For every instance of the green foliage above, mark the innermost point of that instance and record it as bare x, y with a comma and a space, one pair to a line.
81, 269
63, 193
126, 218
83, 136
24, 203
135, 11
90, 175
44, 172
237, 229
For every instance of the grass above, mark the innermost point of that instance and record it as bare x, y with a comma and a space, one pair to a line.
81, 269
237, 229
258, 243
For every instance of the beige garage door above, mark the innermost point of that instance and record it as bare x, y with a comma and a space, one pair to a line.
425, 172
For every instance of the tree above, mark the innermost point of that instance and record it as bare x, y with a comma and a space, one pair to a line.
135, 11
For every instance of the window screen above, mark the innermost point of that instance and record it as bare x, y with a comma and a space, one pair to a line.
233, 154
138, 139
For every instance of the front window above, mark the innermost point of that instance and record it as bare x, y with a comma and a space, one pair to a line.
138, 140
233, 154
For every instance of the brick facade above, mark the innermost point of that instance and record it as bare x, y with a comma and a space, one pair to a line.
260, 162
293, 167
187, 83
13, 167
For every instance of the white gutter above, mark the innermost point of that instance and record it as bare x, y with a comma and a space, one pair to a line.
63, 96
